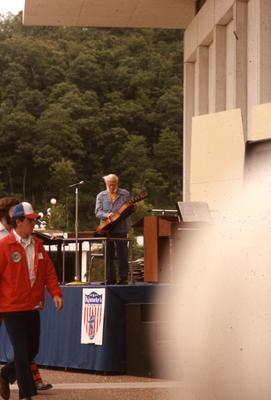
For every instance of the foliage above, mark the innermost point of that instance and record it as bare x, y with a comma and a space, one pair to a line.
79, 103
56, 218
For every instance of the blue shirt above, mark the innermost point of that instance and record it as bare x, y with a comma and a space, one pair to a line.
105, 205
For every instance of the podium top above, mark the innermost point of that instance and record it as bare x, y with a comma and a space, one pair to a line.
82, 235
51, 237
193, 211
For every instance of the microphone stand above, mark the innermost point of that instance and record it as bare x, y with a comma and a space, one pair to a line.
77, 280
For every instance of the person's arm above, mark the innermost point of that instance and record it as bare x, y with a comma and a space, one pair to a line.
99, 208
58, 302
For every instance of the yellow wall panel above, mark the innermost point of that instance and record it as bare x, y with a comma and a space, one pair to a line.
260, 122
217, 156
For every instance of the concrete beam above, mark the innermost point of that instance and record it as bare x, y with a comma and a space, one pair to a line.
175, 14
200, 30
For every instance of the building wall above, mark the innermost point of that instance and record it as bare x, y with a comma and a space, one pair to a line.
227, 64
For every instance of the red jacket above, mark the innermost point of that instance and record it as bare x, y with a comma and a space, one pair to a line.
16, 293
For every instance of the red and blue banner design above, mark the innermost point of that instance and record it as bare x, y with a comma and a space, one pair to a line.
92, 316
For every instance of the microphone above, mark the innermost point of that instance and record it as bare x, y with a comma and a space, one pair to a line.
77, 184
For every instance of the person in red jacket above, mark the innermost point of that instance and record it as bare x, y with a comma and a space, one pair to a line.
25, 271
6, 206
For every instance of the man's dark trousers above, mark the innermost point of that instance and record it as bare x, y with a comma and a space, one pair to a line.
23, 328
122, 253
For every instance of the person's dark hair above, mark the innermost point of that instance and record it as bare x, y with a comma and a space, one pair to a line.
13, 222
5, 204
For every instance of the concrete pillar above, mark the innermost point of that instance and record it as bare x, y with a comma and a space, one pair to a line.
217, 70
265, 51
211, 78
259, 54
201, 80
236, 60
220, 67
240, 14
189, 102
230, 66
253, 73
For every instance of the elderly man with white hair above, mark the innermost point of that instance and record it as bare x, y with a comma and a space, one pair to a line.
108, 202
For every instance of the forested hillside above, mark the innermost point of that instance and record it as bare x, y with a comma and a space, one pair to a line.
79, 103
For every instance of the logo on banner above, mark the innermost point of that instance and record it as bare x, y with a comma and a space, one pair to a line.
92, 317
92, 312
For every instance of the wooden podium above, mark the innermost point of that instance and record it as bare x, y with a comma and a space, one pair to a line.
163, 235
158, 232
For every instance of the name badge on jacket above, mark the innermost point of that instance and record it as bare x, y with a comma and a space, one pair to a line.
16, 256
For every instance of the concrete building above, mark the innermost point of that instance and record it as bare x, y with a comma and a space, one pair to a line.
227, 64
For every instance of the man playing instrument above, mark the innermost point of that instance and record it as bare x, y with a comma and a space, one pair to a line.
108, 202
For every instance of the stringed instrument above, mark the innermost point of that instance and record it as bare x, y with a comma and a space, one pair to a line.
124, 211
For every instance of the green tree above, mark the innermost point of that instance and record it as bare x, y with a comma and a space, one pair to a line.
57, 138
132, 174
84, 102
62, 174
167, 159
16, 132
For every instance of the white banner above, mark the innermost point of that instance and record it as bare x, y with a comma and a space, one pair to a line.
93, 304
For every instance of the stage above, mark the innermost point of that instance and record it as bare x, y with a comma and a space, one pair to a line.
127, 316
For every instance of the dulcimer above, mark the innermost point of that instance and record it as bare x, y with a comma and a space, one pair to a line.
124, 211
